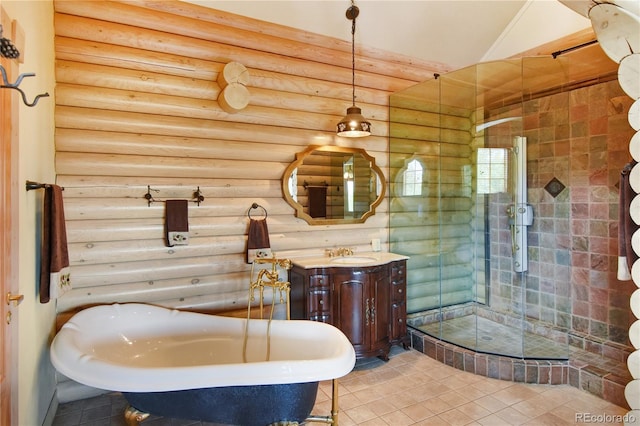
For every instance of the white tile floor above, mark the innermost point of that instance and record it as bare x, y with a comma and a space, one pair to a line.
411, 389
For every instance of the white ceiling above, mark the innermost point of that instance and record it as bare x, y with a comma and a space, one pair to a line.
456, 33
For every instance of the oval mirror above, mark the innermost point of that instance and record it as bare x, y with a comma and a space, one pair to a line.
333, 185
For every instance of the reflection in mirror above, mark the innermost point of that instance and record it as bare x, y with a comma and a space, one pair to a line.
331, 185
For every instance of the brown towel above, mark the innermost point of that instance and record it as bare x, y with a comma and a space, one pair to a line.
626, 225
258, 246
54, 257
317, 201
177, 222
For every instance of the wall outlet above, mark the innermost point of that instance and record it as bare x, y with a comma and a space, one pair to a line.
375, 244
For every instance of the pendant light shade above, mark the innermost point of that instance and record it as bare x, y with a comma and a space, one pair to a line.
353, 125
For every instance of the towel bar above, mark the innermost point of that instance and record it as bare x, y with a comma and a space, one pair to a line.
36, 185
197, 196
306, 185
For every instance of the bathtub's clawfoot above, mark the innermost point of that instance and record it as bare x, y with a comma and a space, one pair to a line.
133, 417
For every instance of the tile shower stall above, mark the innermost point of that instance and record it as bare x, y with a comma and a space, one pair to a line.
460, 202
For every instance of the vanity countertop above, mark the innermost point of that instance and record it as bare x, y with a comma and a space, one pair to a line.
356, 260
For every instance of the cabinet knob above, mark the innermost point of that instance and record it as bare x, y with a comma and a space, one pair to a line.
321, 302
399, 290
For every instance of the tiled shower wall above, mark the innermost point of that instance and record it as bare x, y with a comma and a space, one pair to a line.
577, 139
600, 135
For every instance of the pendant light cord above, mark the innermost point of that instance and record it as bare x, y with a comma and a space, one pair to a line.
353, 60
352, 14
353, 125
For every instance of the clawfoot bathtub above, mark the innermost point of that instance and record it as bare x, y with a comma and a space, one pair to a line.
187, 365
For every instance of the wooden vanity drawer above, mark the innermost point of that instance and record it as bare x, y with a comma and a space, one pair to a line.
322, 281
398, 317
398, 271
398, 291
319, 305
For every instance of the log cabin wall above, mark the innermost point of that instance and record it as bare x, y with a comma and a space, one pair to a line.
136, 108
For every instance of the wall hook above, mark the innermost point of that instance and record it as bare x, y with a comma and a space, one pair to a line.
197, 196
14, 86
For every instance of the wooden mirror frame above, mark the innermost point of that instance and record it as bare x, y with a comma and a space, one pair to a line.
299, 209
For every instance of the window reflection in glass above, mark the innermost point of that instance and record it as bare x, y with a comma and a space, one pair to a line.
412, 179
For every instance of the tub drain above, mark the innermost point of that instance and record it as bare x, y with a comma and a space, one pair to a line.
487, 338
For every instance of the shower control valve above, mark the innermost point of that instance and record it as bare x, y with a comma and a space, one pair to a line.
526, 210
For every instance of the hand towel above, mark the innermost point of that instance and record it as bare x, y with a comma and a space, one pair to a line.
626, 226
177, 222
258, 246
55, 274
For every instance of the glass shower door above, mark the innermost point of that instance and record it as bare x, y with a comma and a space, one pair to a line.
475, 276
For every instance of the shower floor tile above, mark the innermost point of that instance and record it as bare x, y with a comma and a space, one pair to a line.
484, 335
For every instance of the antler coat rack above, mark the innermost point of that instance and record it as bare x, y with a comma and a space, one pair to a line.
6, 85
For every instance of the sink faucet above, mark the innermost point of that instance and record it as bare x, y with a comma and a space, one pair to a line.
345, 251
342, 251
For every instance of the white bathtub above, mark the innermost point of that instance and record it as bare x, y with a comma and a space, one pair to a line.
145, 348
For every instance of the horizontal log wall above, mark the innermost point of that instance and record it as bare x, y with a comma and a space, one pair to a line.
136, 106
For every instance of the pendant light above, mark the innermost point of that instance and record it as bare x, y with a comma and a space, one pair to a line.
353, 125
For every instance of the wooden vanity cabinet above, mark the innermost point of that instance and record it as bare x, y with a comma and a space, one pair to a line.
362, 308
367, 303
